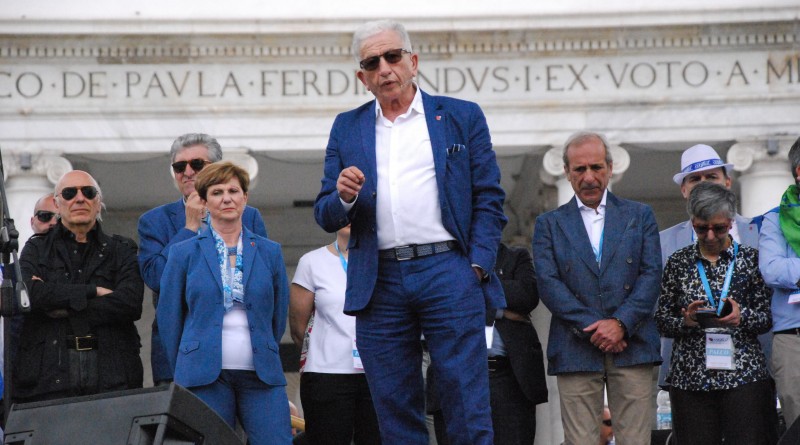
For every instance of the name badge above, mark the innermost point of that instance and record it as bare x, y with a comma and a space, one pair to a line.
356, 357
719, 351
794, 297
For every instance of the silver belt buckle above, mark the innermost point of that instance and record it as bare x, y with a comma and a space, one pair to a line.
404, 253
78, 343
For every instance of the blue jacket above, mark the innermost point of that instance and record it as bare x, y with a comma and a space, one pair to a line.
780, 267
470, 196
190, 312
164, 226
577, 292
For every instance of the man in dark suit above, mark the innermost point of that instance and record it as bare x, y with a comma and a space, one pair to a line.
171, 223
417, 178
598, 267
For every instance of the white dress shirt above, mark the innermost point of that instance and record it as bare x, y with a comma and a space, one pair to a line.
594, 221
407, 202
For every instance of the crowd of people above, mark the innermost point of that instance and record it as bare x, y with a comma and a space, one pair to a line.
417, 269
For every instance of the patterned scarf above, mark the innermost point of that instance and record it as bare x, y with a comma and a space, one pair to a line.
232, 287
789, 218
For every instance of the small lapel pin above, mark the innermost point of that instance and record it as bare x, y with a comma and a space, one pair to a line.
252, 244
438, 118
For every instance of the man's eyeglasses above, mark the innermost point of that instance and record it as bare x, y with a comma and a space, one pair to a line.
196, 164
44, 216
89, 192
607, 422
718, 229
392, 56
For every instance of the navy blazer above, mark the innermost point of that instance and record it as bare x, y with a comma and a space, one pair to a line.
468, 180
577, 292
190, 312
164, 226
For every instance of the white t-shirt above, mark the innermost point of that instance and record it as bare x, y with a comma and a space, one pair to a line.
330, 348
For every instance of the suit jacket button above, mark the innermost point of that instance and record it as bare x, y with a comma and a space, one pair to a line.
374, 194
627, 286
629, 260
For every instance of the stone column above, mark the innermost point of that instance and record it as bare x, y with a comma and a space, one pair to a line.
764, 164
552, 172
28, 177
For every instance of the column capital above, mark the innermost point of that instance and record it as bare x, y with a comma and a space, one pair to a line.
242, 158
24, 163
747, 152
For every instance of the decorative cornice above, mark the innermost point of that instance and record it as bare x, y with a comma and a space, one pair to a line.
133, 48
746, 153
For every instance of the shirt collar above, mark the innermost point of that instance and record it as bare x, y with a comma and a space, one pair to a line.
600, 208
416, 105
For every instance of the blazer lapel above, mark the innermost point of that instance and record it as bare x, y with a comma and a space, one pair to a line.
437, 131
209, 249
616, 221
366, 126
249, 248
571, 224
177, 215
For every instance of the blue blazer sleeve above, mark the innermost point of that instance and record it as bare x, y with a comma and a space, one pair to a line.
155, 240
170, 313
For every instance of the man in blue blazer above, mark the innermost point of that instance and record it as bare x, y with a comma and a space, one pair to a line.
598, 266
417, 178
701, 163
171, 223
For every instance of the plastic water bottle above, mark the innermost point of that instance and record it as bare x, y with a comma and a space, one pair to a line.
664, 411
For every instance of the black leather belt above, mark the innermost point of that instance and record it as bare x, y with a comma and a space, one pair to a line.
498, 362
411, 251
793, 331
84, 343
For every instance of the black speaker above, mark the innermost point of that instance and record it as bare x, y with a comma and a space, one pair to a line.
164, 415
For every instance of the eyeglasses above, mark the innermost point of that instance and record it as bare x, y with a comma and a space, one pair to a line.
718, 229
89, 192
607, 422
196, 164
392, 56
44, 216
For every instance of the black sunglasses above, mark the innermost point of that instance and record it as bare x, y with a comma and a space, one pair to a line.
89, 192
392, 56
718, 229
196, 164
44, 216
607, 422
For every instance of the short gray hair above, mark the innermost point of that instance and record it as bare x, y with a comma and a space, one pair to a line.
709, 199
581, 137
370, 29
794, 158
191, 139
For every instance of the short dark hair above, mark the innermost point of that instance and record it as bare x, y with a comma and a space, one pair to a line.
794, 157
220, 173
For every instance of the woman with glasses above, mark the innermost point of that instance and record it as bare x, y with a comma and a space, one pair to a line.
333, 389
222, 311
714, 303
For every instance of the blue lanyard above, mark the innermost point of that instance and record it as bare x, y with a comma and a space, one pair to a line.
598, 253
726, 285
341, 257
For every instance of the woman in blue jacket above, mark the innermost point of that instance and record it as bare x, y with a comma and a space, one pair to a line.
222, 310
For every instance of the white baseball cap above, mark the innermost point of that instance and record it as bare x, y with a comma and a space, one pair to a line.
698, 158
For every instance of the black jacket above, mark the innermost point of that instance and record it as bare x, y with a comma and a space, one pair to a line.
70, 284
514, 267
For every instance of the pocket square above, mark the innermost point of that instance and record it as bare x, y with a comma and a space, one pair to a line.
455, 148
